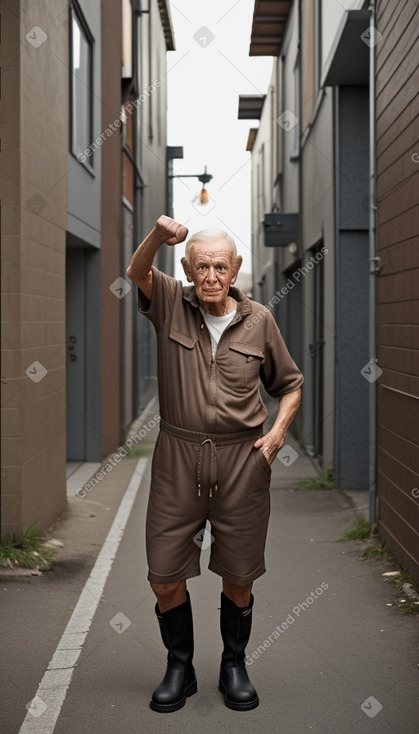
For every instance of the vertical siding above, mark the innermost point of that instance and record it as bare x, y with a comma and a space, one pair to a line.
397, 130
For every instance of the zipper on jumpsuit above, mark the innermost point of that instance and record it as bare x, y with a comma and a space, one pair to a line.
213, 395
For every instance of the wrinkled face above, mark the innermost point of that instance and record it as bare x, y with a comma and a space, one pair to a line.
212, 267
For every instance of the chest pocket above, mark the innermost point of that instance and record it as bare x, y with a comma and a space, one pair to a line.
246, 361
183, 339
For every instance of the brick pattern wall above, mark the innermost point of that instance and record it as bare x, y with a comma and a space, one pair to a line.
397, 130
33, 261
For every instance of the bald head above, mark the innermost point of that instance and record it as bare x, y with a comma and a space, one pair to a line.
210, 237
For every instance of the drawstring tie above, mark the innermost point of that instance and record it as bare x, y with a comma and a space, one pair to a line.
215, 440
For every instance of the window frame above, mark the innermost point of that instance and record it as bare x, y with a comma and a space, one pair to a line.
76, 12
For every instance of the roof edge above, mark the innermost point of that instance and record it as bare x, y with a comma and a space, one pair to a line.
166, 19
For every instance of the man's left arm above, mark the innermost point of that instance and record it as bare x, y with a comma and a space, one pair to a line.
273, 441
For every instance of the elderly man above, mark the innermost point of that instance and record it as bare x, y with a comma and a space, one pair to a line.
212, 460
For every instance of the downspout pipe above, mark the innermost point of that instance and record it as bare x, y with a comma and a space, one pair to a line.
150, 73
137, 223
373, 277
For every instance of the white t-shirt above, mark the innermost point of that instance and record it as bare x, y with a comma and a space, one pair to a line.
216, 326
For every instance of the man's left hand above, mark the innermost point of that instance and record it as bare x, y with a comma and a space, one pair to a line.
270, 444
274, 440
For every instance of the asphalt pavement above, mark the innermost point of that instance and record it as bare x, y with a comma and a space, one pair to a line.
81, 650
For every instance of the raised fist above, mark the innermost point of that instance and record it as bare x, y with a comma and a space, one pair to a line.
172, 231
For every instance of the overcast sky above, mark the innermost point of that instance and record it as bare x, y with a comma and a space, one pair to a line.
207, 72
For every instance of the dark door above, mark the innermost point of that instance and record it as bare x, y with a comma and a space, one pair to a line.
76, 356
317, 352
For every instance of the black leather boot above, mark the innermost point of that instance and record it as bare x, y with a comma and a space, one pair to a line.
176, 628
236, 624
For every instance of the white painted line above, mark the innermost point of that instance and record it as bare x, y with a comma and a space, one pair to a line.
45, 707
80, 476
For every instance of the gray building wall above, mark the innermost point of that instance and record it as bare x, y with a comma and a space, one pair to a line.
352, 285
151, 146
127, 314
153, 113
111, 215
321, 172
318, 228
83, 244
84, 178
262, 180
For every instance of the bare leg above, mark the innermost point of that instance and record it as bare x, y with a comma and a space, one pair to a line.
239, 595
170, 595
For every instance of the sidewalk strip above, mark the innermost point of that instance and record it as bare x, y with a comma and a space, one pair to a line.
46, 705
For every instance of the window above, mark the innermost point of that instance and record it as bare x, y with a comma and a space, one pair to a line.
318, 43
126, 39
297, 107
308, 62
81, 101
278, 193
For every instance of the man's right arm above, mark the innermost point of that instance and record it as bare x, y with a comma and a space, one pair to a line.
166, 230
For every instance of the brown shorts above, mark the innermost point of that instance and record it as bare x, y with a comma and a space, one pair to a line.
238, 511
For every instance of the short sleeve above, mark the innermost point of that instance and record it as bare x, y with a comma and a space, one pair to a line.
162, 299
279, 373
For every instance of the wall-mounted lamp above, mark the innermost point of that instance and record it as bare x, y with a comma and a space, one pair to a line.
204, 197
204, 178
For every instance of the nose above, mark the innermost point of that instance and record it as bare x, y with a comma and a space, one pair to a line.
211, 275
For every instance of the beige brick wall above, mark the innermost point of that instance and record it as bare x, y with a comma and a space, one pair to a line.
34, 132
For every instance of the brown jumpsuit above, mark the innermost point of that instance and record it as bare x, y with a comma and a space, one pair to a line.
205, 466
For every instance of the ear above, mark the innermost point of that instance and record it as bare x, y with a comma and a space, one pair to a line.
237, 267
186, 269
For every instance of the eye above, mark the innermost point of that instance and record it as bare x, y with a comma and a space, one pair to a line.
221, 268
202, 267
